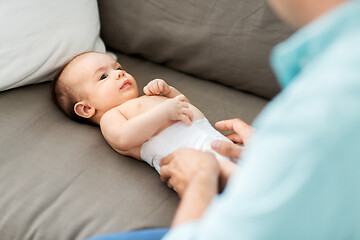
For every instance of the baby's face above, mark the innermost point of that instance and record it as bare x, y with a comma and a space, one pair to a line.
102, 81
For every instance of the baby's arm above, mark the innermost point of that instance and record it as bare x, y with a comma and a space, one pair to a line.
160, 87
123, 134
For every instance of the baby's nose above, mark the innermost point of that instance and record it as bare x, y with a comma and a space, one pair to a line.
120, 73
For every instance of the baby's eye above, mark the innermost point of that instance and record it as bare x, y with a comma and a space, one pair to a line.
103, 77
119, 68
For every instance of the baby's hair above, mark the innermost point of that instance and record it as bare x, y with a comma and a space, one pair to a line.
64, 97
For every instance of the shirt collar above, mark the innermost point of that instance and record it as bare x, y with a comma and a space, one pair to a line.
291, 56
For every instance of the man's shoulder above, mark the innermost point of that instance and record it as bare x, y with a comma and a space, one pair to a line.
338, 65
344, 52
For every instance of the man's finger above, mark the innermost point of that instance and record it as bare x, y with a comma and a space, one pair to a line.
226, 148
171, 182
234, 137
225, 125
164, 174
166, 160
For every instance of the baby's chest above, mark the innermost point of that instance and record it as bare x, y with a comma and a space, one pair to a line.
140, 105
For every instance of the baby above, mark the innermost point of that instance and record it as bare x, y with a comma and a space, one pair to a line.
94, 88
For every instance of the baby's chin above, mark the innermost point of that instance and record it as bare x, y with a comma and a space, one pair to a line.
130, 96
136, 94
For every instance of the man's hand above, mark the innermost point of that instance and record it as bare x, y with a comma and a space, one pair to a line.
157, 87
177, 109
227, 169
194, 175
186, 167
242, 133
227, 148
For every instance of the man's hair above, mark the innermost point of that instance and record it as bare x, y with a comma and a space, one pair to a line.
64, 97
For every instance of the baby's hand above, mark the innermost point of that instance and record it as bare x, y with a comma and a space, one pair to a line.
156, 87
178, 109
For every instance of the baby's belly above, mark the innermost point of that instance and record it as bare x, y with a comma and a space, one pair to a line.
197, 113
197, 136
135, 152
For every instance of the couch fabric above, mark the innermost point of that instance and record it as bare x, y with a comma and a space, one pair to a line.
224, 41
60, 180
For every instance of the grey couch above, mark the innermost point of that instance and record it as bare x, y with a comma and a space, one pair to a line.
60, 180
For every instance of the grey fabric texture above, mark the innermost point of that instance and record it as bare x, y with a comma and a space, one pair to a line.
224, 41
60, 180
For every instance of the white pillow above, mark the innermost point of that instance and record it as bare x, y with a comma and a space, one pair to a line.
37, 37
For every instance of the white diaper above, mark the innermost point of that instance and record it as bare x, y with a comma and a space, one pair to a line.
197, 136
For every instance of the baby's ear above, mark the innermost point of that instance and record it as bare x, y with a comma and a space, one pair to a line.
84, 110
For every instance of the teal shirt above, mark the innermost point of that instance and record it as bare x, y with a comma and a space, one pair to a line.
301, 171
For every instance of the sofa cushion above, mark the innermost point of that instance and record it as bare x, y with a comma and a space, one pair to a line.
60, 180
228, 42
39, 36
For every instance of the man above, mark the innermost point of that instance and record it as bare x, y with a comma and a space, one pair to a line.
301, 169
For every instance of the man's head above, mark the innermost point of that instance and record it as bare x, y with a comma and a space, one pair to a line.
91, 84
298, 13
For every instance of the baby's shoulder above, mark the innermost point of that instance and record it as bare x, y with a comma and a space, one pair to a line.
126, 105
112, 115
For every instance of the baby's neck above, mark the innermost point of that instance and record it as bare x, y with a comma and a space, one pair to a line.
96, 120
97, 117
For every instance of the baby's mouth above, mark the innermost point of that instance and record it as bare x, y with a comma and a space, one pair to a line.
125, 84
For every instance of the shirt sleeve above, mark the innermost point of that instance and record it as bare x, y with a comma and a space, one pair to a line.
300, 173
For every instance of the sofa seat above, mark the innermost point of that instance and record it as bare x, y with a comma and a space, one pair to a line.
60, 180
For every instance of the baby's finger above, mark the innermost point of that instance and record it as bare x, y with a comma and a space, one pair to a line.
160, 85
188, 113
185, 119
184, 105
180, 97
154, 87
146, 90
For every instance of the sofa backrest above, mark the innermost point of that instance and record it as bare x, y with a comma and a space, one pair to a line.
224, 41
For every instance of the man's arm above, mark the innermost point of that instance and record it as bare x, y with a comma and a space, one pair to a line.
194, 175
296, 166
123, 134
196, 199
